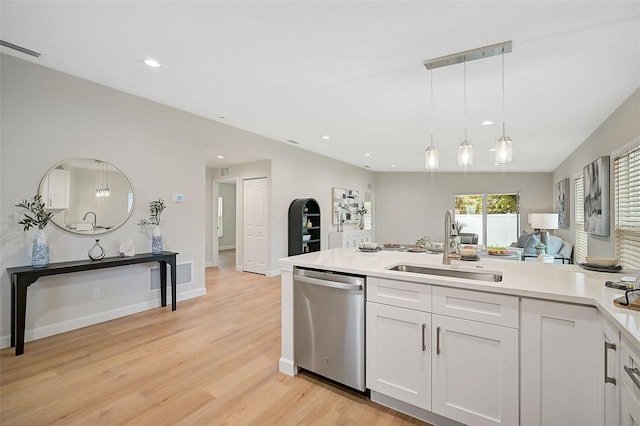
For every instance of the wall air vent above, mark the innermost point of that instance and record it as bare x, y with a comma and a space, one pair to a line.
225, 171
19, 48
184, 275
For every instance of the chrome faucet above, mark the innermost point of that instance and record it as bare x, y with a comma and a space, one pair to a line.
449, 231
94, 218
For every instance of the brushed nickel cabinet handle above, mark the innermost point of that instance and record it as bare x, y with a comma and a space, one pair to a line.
424, 345
633, 373
608, 346
438, 340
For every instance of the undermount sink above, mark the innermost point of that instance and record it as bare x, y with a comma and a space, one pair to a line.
469, 275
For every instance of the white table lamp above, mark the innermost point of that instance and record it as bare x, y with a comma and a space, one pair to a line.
544, 222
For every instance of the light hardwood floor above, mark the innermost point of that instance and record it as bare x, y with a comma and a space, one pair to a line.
214, 361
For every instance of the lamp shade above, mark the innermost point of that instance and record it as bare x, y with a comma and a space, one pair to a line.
544, 220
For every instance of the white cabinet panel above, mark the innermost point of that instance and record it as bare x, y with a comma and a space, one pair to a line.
630, 386
610, 382
55, 189
399, 353
474, 371
399, 293
491, 308
349, 239
561, 354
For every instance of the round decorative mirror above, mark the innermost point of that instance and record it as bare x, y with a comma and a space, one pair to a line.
87, 196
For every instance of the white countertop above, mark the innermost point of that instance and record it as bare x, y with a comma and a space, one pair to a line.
562, 283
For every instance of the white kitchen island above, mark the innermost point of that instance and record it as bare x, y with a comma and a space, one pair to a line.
530, 349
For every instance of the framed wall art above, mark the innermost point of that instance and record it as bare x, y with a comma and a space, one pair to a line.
345, 204
595, 177
562, 202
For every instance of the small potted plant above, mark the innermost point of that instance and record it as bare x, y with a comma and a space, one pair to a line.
306, 236
156, 208
37, 215
540, 248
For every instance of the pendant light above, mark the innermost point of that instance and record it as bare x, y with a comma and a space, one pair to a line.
103, 180
503, 144
432, 155
465, 149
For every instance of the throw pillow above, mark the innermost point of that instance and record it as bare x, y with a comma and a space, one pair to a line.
522, 239
532, 242
555, 244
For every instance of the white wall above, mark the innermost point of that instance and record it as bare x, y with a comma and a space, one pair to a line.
48, 116
620, 128
412, 205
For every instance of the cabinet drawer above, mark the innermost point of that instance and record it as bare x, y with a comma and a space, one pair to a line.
630, 367
399, 293
489, 308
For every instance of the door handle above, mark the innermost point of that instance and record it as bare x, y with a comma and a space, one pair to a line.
608, 346
438, 340
633, 373
327, 283
424, 345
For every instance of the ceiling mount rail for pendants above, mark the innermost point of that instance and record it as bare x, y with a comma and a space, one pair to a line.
469, 55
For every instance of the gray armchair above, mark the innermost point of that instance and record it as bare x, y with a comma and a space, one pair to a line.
468, 238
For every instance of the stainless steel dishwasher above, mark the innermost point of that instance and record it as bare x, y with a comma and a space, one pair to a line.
329, 325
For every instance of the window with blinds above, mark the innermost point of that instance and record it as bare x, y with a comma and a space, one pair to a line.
626, 177
580, 249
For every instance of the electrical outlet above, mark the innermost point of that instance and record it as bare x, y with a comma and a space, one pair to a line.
96, 293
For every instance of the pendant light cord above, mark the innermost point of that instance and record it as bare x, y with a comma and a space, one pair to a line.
465, 99
504, 132
431, 108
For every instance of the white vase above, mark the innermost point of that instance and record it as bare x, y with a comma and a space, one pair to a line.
40, 249
156, 240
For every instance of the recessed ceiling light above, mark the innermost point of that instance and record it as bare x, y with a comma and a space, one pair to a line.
222, 117
325, 137
367, 167
220, 156
487, 123
492, 149
152, 63
366, 154
393, 165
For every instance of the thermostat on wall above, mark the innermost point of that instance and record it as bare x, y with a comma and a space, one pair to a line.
178, 198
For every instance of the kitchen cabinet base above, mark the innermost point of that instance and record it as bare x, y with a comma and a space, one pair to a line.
411, 410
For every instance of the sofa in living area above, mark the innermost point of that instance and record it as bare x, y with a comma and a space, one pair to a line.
561, 250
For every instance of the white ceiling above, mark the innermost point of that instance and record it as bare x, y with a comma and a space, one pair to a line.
353, 70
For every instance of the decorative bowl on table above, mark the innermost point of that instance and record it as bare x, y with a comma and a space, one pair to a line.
601, 262
435, 247
467, 251
369, 245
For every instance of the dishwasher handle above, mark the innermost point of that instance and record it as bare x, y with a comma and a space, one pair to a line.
327, 283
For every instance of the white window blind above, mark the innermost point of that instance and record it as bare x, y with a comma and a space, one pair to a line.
627, 207
580, 251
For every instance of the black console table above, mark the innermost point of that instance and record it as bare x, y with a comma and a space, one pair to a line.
23, 276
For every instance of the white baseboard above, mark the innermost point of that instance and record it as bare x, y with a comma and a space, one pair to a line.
287, 367
76, 323
273, 273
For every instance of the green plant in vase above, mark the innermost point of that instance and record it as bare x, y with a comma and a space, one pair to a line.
37, 215
540, 248
156, 207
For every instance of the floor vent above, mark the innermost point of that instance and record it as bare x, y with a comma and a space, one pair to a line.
184, 275
224, 171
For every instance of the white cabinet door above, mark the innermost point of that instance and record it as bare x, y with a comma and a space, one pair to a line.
630, 384
629, 407
55, 189
610, 382
560, 368
474, 371
399, 353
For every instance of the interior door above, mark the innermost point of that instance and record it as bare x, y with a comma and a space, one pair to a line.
254, 219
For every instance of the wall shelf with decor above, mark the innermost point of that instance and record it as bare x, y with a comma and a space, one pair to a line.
304, 219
